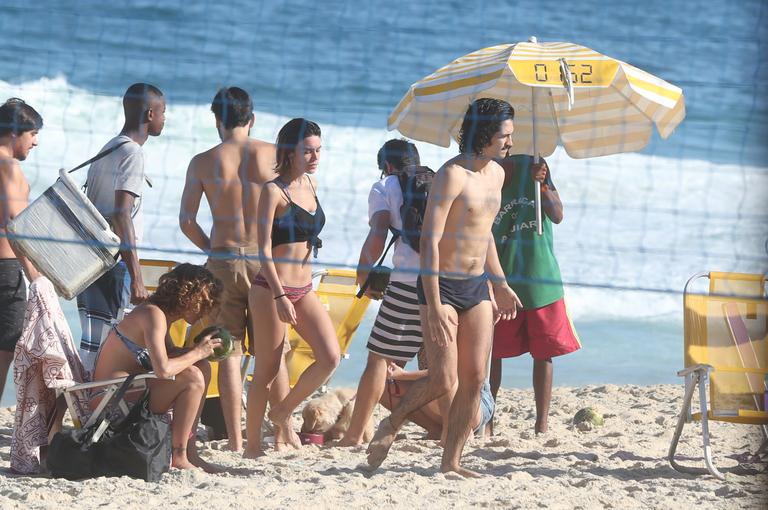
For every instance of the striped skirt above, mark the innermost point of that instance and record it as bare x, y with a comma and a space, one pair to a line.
396, 333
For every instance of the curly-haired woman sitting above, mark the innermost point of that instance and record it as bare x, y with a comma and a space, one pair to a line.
140, 343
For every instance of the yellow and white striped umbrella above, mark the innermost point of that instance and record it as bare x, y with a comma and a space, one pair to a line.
591, 104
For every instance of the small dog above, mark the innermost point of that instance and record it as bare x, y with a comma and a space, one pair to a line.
330, 415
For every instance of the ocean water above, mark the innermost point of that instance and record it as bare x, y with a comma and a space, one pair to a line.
636, 225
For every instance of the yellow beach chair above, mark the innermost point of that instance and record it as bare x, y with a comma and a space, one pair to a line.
151, 271
726, 352
337, 291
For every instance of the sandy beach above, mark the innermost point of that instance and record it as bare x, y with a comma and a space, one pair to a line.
619, 465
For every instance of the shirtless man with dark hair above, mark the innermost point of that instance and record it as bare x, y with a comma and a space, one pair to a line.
458, 258
19, 124
231, 176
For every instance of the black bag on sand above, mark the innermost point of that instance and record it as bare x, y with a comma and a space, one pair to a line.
138, 446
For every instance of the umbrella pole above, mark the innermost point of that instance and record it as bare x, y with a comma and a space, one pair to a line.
537, 186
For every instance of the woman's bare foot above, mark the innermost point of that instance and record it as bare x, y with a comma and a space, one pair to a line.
466, 473
381, 443
179, 459
285, 436
197, 461
541, 427
349, 441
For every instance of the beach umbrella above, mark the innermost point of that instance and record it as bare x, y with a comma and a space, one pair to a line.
563, 94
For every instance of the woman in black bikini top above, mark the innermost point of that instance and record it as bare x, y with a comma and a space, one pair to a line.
282, 291
297, 224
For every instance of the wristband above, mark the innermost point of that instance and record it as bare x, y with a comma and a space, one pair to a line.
281, 295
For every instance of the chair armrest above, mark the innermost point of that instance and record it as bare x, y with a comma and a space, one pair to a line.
108, 382
695, 368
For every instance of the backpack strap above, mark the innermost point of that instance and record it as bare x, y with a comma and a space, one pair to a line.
99, 156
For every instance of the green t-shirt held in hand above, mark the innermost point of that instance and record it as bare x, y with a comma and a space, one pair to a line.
528, 259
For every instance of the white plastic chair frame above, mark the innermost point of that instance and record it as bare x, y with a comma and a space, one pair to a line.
111, 385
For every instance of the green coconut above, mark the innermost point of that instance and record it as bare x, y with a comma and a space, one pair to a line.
221, 352
588, 417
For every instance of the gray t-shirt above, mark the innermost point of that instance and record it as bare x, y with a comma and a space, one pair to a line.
123, 170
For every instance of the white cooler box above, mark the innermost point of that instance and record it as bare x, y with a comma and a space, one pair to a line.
65, 237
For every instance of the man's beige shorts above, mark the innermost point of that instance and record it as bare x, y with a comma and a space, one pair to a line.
236, 268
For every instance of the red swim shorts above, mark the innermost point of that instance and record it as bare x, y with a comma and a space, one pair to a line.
545, 332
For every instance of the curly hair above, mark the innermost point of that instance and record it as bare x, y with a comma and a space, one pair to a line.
483, 120
187, 288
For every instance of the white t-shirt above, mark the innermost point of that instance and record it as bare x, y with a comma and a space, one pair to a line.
123, 170
386, 195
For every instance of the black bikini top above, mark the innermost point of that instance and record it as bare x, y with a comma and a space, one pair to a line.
298, 224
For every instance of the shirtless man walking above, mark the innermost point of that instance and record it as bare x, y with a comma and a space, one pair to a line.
231, 176
19, 124
458, 257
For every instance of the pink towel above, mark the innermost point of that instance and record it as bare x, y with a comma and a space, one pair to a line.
45, 359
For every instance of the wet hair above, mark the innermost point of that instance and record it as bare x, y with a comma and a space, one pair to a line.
187, 288
399, 153
233, 107
483, 120
17, 117
294, 131
137, 100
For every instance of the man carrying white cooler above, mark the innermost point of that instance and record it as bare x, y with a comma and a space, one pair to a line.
115, 185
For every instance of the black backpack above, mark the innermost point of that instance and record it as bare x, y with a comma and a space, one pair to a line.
415, 187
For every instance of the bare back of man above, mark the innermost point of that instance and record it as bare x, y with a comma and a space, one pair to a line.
231, 176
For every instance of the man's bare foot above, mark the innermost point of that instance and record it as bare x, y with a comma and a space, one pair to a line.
234, 447
381, 443
541, 427
462, 471
253, 454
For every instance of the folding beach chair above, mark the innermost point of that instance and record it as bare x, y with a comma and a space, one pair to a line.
726, 351
337, 291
